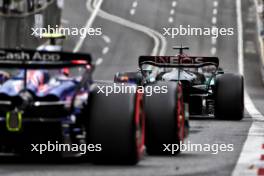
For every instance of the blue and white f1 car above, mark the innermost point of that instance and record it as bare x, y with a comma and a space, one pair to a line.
51, 97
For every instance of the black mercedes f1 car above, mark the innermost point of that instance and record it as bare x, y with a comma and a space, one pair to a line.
196, 87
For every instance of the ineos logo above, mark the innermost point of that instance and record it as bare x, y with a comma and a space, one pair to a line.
167, 59
199, 60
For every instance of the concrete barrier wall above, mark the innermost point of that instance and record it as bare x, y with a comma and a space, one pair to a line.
260, 32
15, 29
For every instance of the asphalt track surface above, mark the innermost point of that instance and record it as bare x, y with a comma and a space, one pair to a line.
119, 48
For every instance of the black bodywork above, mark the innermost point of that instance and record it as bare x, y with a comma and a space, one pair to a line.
198, 85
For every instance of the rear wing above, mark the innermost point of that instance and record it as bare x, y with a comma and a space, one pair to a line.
25, 58
178, 61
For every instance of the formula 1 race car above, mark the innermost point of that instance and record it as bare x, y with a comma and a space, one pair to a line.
205, 89
41, 103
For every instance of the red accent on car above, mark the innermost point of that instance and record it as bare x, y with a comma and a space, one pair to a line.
140, 124
79, 62
180, 114
261, 171
66, 71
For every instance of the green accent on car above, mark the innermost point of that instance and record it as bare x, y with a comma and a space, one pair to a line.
19, 116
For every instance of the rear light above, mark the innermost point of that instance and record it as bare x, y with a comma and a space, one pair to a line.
79, 62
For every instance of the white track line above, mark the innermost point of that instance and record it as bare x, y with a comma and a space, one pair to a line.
215, 3
172, 11
106, 39
213, 51
213, 40
135, 3
160, 42
88, 25
132, 11
99, 61
174, 3
215, 11
240, 37
105, 50
249, 160
214, 20
170, 20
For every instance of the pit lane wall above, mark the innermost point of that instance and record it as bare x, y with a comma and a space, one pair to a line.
16, 23
259, 4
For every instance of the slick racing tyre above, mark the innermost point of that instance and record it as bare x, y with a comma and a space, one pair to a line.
116, 122
229, 97
165, 122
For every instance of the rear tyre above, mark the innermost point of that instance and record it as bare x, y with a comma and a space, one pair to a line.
165, 120
229, 97
116, 122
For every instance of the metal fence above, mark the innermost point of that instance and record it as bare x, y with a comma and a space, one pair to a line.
16, 29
